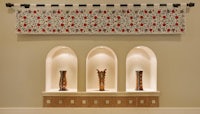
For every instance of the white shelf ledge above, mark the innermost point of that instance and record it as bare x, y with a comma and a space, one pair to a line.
135, 93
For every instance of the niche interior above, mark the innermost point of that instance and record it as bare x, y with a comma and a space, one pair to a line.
101, 59
141, 58
61, 58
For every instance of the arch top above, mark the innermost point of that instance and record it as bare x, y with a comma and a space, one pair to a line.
59, 50
102, 50
142, 50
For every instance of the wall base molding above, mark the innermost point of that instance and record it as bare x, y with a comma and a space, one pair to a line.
21, 110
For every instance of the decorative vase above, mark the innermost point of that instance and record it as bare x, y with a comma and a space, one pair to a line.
63, 81
139, 85
101, 75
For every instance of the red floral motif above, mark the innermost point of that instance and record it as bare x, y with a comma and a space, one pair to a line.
95, 17
62, 24
118, 17
131, 24
58, 11
164, 17
112, 20
61, 18
85, 24
182, 30
49, 25
164, 24
118, 24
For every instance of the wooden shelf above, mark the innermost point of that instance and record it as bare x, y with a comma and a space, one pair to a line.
101, 99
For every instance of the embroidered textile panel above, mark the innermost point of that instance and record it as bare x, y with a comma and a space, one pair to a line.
122, 20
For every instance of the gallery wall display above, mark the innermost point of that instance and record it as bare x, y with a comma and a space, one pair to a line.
100, 18
101, 79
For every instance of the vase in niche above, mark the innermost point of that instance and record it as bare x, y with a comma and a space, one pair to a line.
139, 86
101, 75
63, 81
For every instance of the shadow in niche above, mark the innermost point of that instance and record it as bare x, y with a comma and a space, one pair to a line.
100, 37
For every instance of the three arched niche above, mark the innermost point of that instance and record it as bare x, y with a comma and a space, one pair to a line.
141, 58
61, 58
101, 58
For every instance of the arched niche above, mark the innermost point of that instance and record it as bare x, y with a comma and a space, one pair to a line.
101, 58
61, 58
141, 58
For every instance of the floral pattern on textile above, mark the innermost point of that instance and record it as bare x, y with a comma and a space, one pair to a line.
101, 21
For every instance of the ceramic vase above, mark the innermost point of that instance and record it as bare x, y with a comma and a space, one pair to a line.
101, 75
139, 86
63, 81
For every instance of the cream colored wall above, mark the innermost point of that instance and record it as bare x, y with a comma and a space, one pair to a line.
99, 110
22, 58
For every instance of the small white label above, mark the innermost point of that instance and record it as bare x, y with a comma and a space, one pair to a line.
60, 101
95, 102
107, 101
72, 101
48, 101
141, 101
153, 101
130, 102
84, 102
119, 101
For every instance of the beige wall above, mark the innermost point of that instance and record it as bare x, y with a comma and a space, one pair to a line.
22, 58
99, 110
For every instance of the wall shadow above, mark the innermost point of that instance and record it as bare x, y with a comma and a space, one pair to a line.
100, 37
